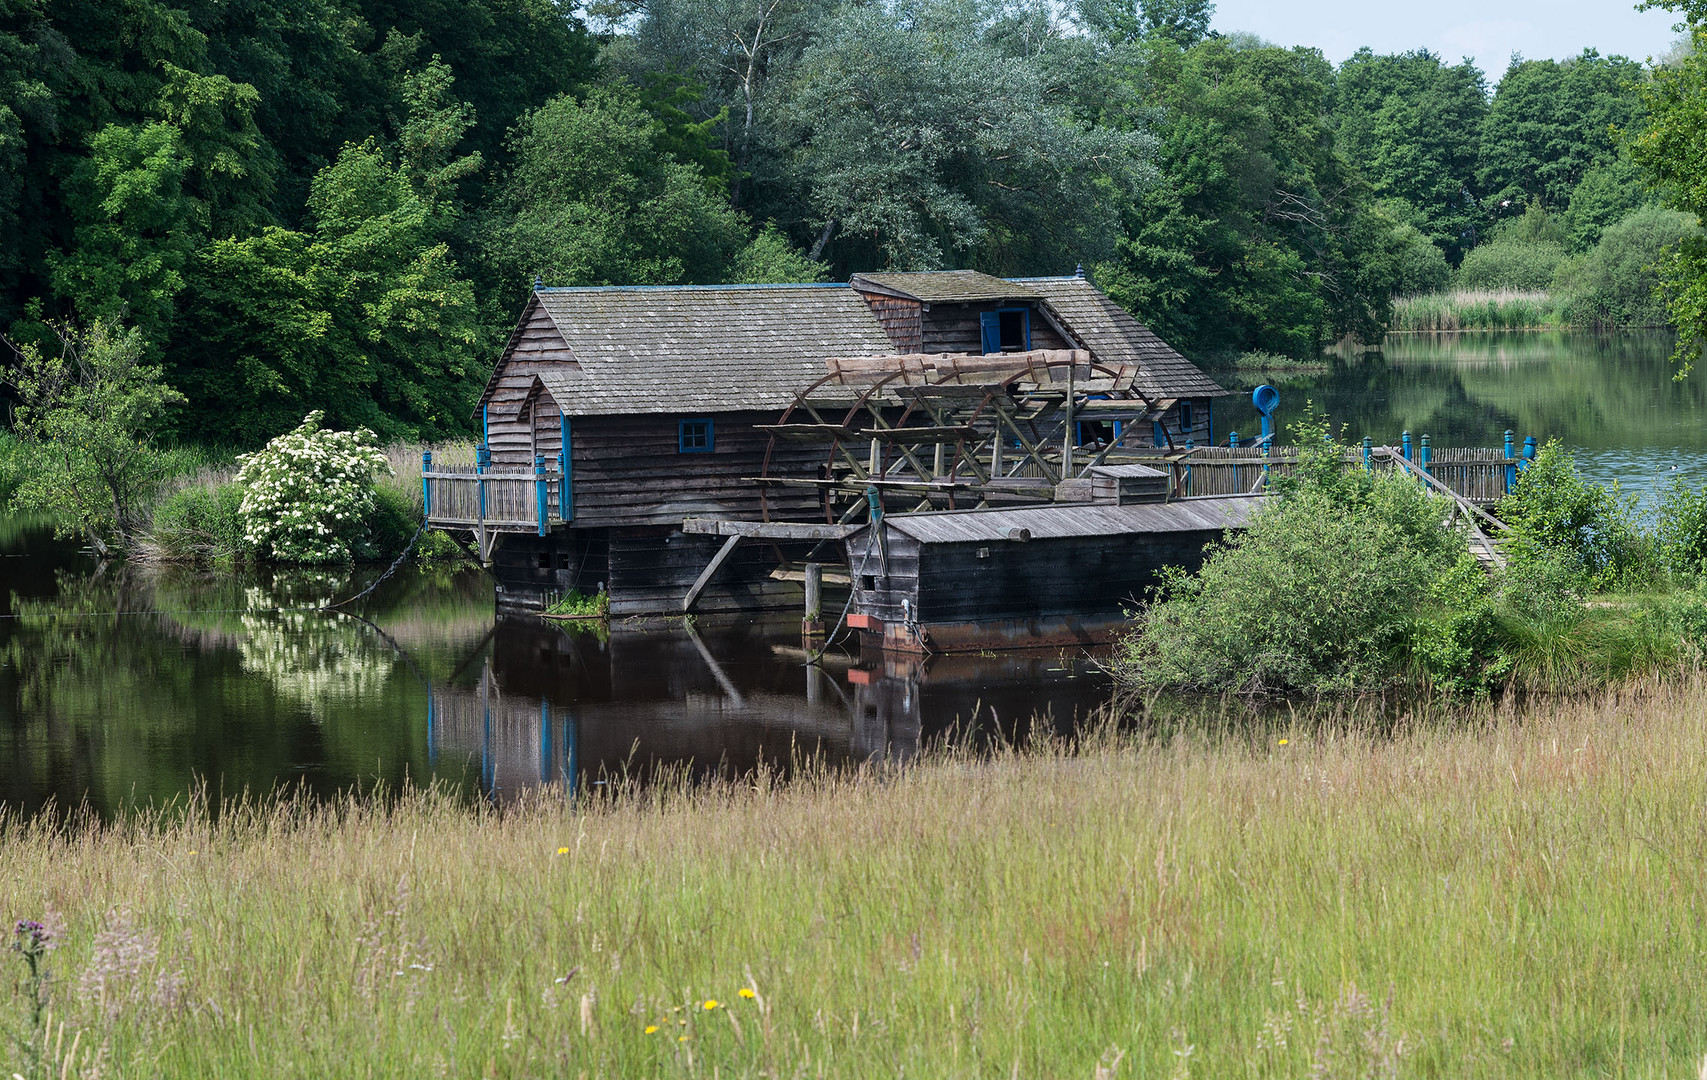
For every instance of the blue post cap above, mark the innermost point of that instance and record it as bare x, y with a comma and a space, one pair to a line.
1266, 398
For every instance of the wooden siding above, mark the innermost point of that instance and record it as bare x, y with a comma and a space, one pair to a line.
540, 346
953, 583
629, 471
875, 591
956, 328
901, 320
1071, 576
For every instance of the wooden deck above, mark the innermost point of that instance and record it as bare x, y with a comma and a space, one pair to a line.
1477, 474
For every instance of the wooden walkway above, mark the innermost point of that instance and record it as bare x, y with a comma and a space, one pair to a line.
1478, 475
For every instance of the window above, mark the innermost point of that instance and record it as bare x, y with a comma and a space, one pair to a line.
1185, 417
1006, 330
695, 437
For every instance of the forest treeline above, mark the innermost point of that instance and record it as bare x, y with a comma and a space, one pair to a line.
341, 204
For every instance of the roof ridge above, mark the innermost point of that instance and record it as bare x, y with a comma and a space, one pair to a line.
691, 288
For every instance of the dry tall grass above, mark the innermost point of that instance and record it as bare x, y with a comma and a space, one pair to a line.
1476, 895
1476, 309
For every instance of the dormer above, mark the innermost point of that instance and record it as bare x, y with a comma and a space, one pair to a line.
959, 311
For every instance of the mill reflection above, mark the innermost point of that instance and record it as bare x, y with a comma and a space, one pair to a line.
536, 706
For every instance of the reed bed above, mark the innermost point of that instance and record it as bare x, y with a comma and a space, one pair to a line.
1453, 892
1477, 309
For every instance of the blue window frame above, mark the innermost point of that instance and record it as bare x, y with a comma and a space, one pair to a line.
1006, 329
1185, 417
696, 436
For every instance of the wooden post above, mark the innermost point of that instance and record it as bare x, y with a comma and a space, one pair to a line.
565, 466
426, 485
1405, 442
539, 484
1510, 462
876, 464
812, 626
936, 465
1426, 454
1368, 454
482, 458
1067, 435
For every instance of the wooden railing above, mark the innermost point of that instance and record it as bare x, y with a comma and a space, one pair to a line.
495, 498
1478, 474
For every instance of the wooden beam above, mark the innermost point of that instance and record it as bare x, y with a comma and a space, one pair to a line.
766, 530
711, 568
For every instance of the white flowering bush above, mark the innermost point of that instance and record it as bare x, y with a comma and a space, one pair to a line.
307, 495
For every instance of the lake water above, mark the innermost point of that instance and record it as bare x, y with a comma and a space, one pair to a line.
125, 685
1610, 397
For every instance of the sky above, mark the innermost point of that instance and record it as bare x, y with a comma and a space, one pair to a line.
1486, 32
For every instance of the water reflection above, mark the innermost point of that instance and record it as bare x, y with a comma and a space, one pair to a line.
546, 707
125, 685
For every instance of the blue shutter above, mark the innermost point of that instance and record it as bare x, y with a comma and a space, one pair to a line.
1026, 314
991, 323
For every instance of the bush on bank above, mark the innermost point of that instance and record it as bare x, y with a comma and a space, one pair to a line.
1351, 582
311, 496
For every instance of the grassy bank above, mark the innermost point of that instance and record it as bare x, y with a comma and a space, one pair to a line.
1477, 309
1477, 894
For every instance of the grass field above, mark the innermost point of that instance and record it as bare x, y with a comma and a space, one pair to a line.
1453, 894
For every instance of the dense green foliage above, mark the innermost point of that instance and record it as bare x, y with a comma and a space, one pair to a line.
1350, 581
1671, 151
339, 204
1617, 283
86, 409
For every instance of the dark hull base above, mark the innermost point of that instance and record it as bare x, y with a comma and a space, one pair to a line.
647, 572
995, 635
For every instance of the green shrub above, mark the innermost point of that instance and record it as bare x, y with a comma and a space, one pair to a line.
1523, 265
15, 457
199, 522
1616, 283
389, 524
1556, 516
1456, 642
1681, 531
1318, 594
308, 495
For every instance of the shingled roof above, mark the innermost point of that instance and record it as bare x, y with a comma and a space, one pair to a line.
1115, 337
724, 348
945, 287
703, 348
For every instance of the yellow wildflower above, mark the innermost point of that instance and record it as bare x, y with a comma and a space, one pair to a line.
681, 1038
746, 992
562, 851
1283, 742
710, 1004
650, 1028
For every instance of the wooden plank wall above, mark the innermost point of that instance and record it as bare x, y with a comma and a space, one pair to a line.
541, 346
899, 318
877, 593
629, 471
955, 328
1070, 576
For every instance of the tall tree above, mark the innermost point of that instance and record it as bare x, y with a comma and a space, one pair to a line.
1550, 123
1253, 239
1671, 150
924, 141
1410, 123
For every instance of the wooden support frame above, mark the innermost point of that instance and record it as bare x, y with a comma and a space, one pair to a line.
711, 568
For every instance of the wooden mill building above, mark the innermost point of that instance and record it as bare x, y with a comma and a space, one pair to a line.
616, 414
